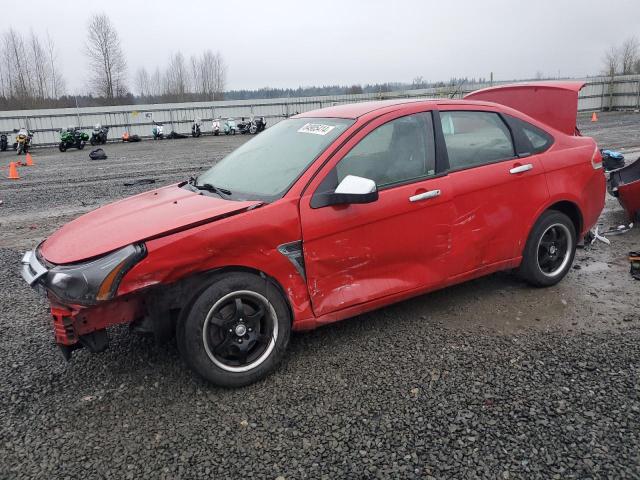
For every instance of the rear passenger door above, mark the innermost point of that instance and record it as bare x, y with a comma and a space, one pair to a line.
495, 191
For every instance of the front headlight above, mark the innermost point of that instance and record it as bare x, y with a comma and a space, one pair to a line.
96, 280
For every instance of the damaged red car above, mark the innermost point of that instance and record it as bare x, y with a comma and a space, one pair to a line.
327, 215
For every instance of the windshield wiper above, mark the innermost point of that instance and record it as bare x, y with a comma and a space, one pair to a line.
208, 187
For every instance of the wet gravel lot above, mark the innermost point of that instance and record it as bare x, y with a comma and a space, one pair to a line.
490, 379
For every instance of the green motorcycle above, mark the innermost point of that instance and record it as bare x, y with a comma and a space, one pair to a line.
72, 138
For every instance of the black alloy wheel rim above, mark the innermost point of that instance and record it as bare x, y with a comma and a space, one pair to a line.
554, 249
240, 331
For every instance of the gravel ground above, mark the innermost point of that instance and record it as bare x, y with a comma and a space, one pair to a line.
490, 379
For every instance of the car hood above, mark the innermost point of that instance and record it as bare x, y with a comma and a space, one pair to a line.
134, 219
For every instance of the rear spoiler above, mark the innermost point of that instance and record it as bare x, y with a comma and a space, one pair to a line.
552, 103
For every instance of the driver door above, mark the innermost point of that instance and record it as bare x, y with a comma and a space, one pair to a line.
357, 253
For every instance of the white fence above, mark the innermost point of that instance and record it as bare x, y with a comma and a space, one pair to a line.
603, 93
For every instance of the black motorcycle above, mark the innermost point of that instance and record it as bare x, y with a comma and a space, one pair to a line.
195, 129
260, 124
244, 126
99, 135
4, 143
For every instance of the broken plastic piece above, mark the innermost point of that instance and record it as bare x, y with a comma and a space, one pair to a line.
598, 236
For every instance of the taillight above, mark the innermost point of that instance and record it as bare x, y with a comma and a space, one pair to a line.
596, 159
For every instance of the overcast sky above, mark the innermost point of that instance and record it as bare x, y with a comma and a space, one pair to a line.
287, 43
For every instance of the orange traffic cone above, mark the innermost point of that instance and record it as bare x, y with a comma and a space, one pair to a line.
13, 171
29, 160
594, 117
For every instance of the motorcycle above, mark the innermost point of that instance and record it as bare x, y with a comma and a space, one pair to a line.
244, 126
72, 137
215, 127
157, 131
260, 124
230, 127
99, 135
195, 128
23, 141
4, 143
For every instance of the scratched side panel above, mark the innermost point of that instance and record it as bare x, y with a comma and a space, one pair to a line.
248, 239
358, 253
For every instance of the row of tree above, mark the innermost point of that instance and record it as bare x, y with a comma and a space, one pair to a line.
623, 59
202, 78
29, 76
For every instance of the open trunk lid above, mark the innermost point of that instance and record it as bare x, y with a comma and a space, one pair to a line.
552, 103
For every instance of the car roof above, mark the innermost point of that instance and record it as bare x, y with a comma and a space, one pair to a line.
356, 110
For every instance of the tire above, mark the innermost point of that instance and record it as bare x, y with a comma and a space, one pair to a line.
216, 133
233, 131
234, 351
62, 147
550, 249
80, 145
93, 142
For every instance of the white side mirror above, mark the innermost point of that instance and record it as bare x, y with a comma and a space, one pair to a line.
354, 185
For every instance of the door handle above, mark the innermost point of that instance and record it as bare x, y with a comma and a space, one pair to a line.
521, 168
424, 196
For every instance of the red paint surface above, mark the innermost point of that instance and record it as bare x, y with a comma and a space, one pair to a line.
133, 219
552, 103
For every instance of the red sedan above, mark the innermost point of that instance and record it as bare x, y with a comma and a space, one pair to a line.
327, 215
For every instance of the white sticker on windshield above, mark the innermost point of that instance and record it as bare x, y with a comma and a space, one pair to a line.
316, 128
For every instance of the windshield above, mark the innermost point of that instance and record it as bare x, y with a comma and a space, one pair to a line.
265, 167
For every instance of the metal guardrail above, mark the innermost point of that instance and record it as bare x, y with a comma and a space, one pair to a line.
600, 93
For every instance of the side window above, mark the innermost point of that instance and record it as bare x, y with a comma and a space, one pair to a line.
540, 140
475, 138
398, 151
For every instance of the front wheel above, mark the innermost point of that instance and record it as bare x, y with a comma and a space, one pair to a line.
236, 330
550, 249
80, 145
62, 147
93, 142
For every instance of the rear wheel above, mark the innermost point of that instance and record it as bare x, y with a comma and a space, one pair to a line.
550, 249
236, 330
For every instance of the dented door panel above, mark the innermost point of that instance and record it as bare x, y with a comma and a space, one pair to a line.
358, 253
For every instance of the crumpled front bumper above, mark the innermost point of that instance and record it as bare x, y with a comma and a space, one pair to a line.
77, 325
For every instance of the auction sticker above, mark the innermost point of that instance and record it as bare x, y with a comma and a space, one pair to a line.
316, 128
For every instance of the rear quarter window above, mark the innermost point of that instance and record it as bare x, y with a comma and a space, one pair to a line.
531, 138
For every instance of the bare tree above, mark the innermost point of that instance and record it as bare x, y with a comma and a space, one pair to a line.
156, 83
611, 62
629, 54
219, 76
40, 67
208, 75
56, 81
106, 58
17, 65
143, 82
196, 74
176, 77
